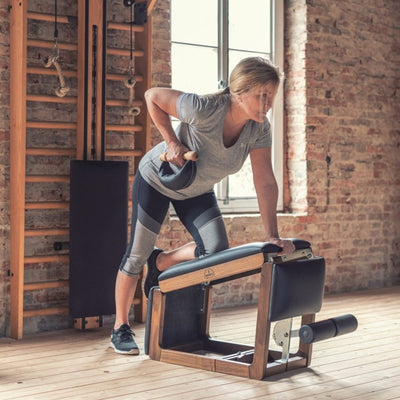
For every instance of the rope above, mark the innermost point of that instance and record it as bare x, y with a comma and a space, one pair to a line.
53, 60
131, 81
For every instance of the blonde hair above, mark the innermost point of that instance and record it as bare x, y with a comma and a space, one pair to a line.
249, 73
252, 72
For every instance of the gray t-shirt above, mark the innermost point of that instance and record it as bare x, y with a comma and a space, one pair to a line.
201, 128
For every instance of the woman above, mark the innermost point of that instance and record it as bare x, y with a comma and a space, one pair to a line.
223, 128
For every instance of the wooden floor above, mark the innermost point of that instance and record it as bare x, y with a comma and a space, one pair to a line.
363, 365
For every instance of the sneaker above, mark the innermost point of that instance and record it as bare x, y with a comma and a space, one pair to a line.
122, 340
152, 272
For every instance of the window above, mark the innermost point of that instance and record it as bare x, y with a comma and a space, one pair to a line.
208, 38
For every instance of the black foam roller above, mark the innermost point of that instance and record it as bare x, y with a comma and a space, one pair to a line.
328, 328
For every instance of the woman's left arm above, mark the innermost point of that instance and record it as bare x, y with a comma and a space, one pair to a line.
267, 196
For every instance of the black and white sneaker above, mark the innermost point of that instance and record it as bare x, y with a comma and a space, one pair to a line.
152, 272
122, 340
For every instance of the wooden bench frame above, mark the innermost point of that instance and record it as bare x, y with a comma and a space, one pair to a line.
256, 362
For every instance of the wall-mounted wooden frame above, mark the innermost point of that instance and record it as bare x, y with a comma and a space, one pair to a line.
19, 151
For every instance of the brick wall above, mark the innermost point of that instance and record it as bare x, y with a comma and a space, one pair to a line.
342, 188
342, 67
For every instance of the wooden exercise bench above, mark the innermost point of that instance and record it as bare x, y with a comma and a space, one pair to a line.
179, 309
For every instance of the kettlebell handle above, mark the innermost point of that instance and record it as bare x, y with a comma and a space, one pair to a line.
190, 155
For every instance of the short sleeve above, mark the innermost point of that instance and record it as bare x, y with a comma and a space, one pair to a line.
264, 137
192, 108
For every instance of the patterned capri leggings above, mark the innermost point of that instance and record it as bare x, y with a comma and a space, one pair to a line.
200, 215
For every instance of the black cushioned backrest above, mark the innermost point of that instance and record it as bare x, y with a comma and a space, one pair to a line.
297, 288
98, 234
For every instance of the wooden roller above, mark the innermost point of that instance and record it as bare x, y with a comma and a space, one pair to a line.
190, 155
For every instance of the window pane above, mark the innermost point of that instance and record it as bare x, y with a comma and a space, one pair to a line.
235, 56
249, 25
194, 68
241, 184
194, 21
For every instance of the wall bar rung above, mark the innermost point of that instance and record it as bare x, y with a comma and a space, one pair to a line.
124, 103
50, 152
52, 71
50, 17
45, 285
124, 128
51, 99
46, 311
125, 27
50, 45
125, 53
47, 205
46, 259
47, 179
118, 77
50, 125
123, 153
46, 232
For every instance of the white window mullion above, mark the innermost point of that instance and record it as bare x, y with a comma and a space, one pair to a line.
277, 21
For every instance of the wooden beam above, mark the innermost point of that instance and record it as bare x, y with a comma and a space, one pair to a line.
124, 27
219, 271
18, 34
50, 125
46, 232
48, 17
46, 71
45, 285
50, 152
46, 311
143, 68
50, 99
150, 7
124, 128
119, 77
50, 45
46, 259
80, 125
47, 205
47, 178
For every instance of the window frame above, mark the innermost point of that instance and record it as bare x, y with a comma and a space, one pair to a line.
250, 205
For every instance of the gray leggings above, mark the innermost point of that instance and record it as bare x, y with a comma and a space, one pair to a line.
200, 215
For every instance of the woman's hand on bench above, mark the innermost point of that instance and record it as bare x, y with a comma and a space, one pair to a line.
286, 245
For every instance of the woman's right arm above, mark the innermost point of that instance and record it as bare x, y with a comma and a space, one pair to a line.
161, 104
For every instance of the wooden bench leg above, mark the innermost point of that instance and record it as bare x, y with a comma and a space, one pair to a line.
263, 326
157, 324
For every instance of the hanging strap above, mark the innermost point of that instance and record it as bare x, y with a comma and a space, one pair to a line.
131, 81
62, 90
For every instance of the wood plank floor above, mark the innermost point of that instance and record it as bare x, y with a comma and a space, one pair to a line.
363, 365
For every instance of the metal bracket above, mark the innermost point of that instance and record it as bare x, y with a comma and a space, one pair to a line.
282, 334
